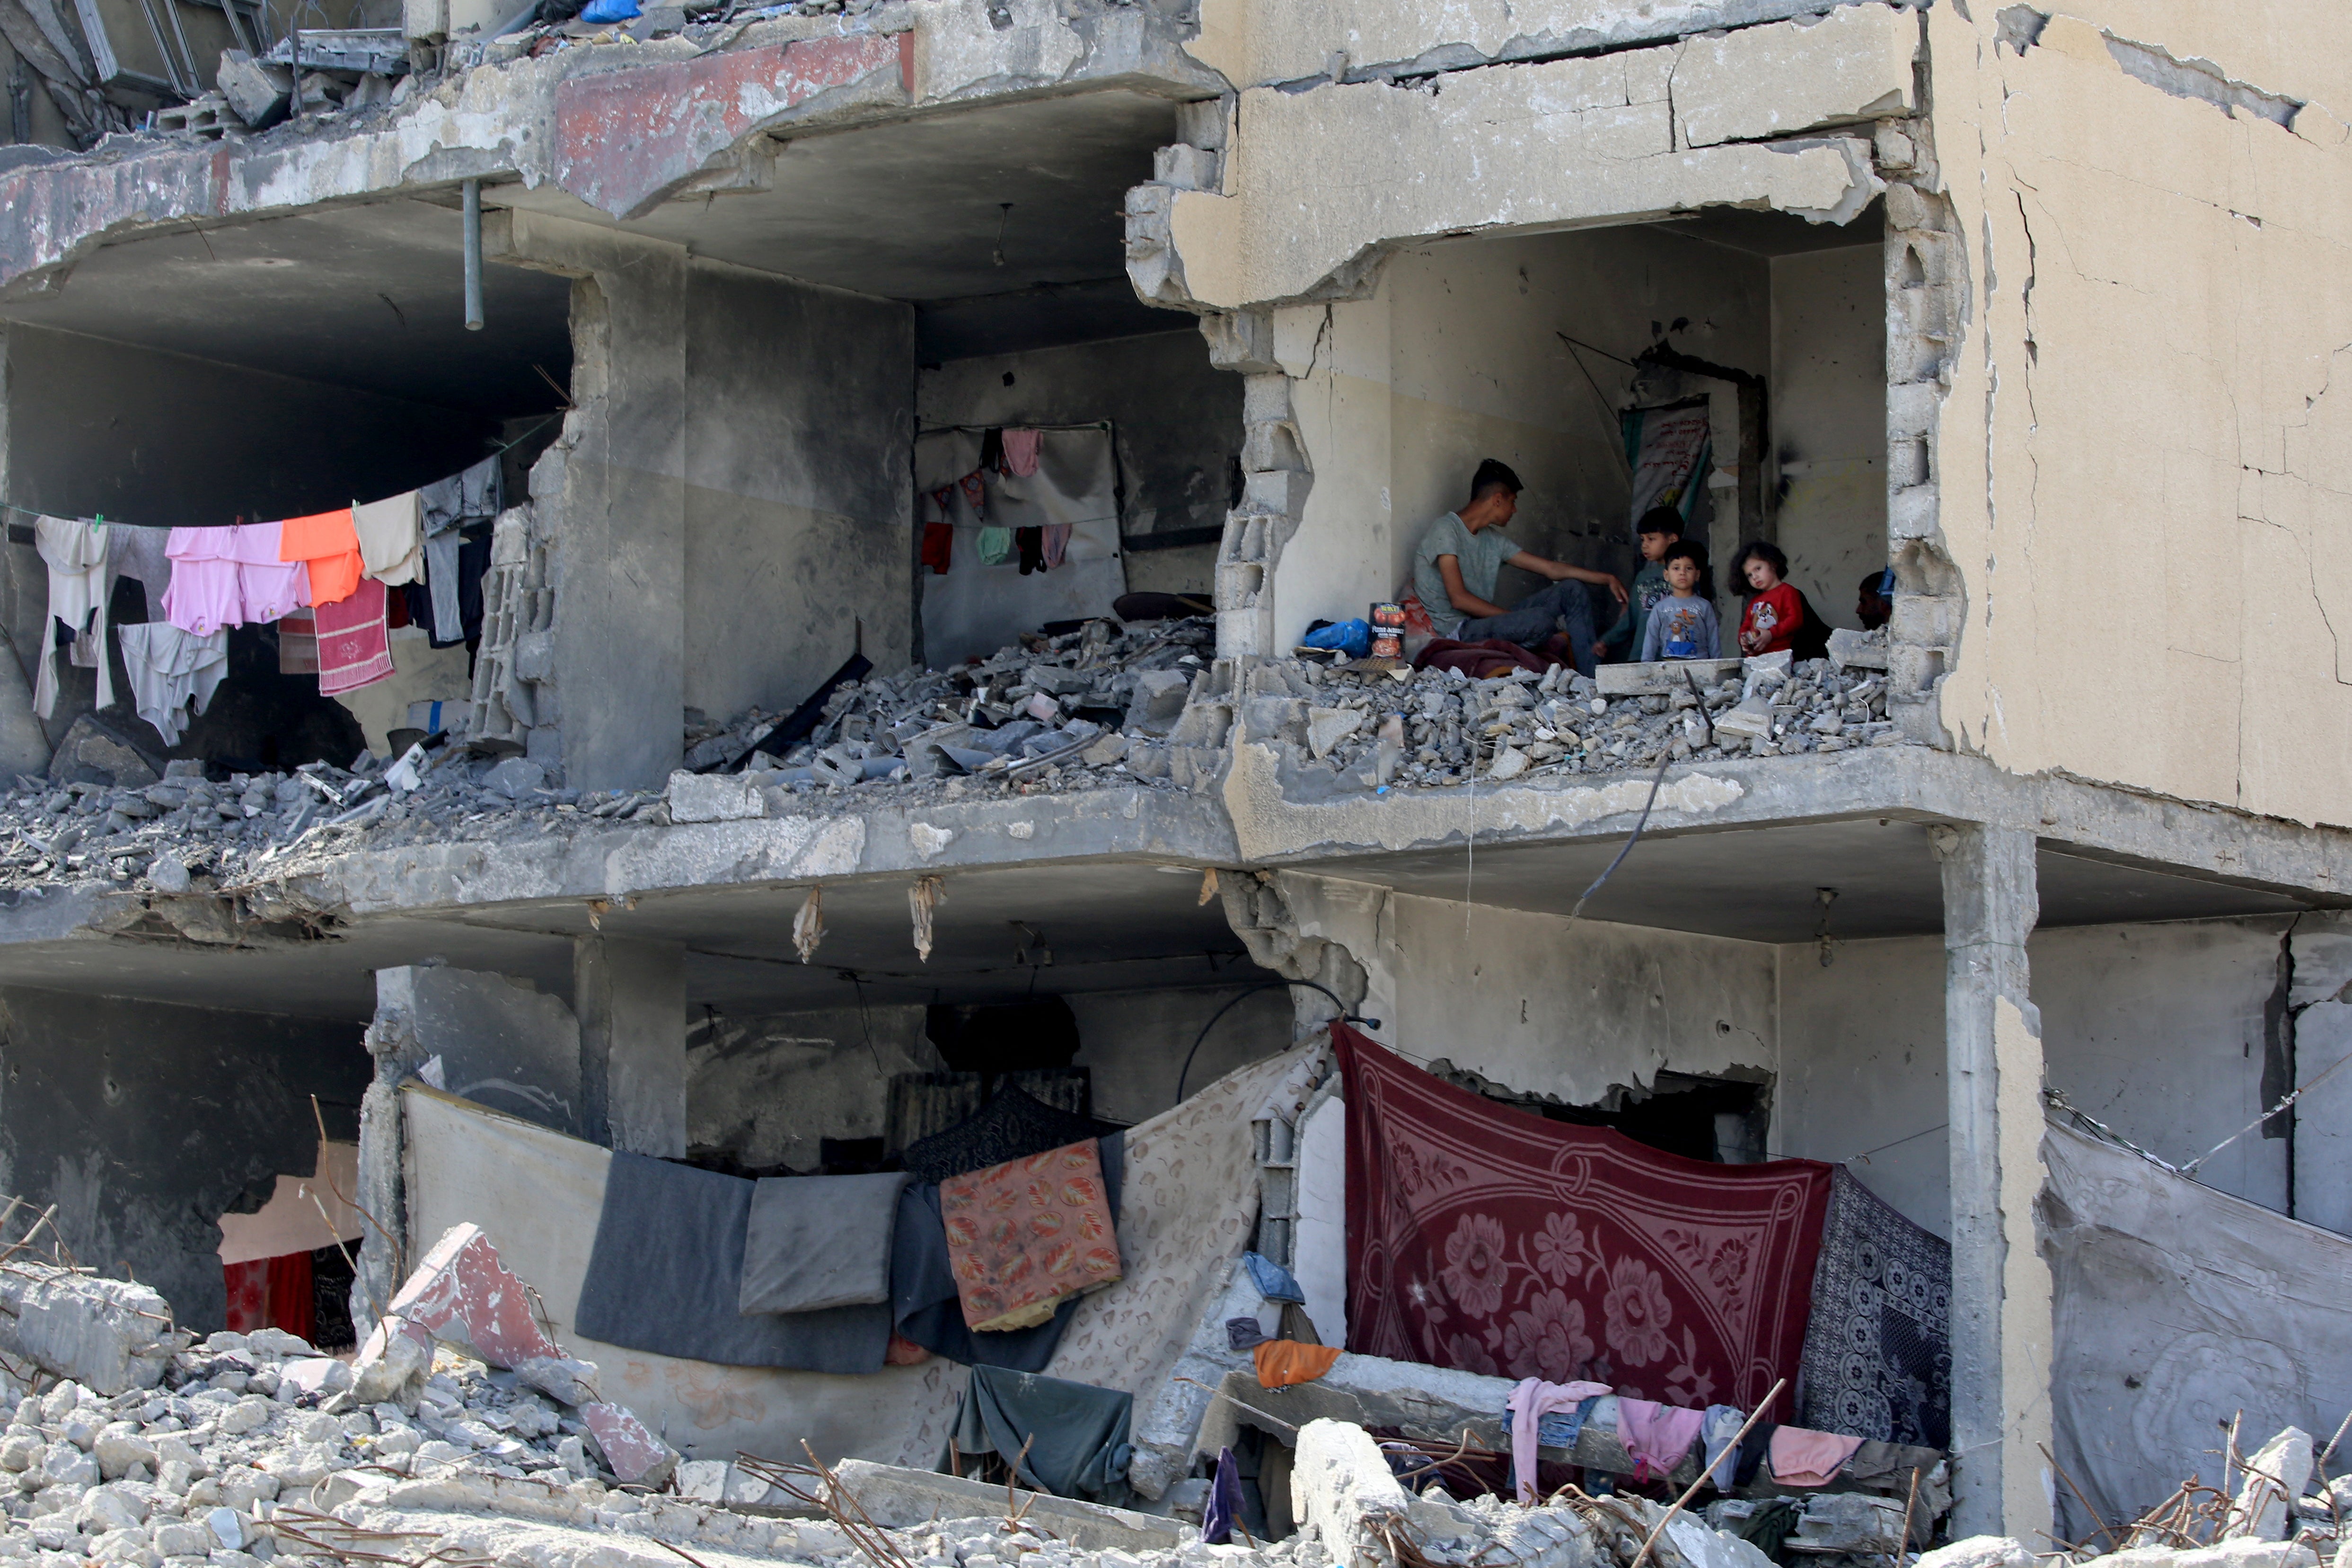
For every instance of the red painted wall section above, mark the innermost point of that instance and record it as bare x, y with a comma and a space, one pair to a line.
624, 139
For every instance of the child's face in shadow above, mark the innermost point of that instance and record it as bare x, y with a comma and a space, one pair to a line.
1656, 545
1682, 576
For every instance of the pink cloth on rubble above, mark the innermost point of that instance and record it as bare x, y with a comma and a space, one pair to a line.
1801, 1457
1657, 1436
1021, 452
1531, 1401
354, 643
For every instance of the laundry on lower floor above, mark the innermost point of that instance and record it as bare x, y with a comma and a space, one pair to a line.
1542, 1275
666, 1275
815, 1242
1025, 1235
1053, 1434
1878, 1357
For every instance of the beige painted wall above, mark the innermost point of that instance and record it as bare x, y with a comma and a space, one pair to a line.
2158, 558
1828, 411
1456, 357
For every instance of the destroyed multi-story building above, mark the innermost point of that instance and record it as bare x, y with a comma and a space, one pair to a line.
2038, 310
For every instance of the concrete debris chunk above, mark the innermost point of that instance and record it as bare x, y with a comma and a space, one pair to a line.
109, 1335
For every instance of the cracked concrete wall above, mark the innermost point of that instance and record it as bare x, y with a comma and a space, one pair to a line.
144, 1124
2155, 1029
2148, 391
798, 493
1538, 1002
1454, 358
1296, 212
1258, 42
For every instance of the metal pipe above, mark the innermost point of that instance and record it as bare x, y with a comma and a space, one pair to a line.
473, 189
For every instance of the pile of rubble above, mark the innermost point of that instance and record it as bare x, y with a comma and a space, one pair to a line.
462, 1435
1372, 725
1088, 707
104, 816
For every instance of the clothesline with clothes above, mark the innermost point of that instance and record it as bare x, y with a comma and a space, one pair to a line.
1014, 454
324, 580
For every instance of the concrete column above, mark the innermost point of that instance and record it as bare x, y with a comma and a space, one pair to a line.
630, 997
382, 1194
612, 491
2001, 1313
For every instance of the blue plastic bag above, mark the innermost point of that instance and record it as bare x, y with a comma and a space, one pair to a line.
611, 11
1353, 638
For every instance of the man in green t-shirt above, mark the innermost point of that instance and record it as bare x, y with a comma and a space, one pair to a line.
1455, 563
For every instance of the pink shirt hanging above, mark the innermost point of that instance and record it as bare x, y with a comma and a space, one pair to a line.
1021, 452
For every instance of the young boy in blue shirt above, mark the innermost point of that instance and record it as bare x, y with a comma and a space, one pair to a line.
1683, 625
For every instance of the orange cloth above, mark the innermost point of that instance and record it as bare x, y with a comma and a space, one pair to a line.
1025, 1235
329, 543
1281, 1363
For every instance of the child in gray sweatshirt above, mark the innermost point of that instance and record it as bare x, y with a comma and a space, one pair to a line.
1683, 625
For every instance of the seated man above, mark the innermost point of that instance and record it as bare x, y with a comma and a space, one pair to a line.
1455, 565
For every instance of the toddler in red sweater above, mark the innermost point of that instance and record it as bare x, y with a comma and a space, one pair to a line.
1776, 612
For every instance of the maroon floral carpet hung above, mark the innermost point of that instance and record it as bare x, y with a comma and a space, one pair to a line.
1497, 1242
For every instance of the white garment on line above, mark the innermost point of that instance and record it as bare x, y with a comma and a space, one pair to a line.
391, 539
171, 669
80, 581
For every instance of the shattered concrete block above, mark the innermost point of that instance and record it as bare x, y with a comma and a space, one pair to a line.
1158, 701
1851, 1523
92, 753
702, 1480
318, 1376
393, 1364
1752, 717
715, 797
898, 1497
566, 1378
1342, 1488
462, 1292
2275, 1476
1327, 727
515, 778
1851, 649
258, 94
634, 1455
108, 1335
